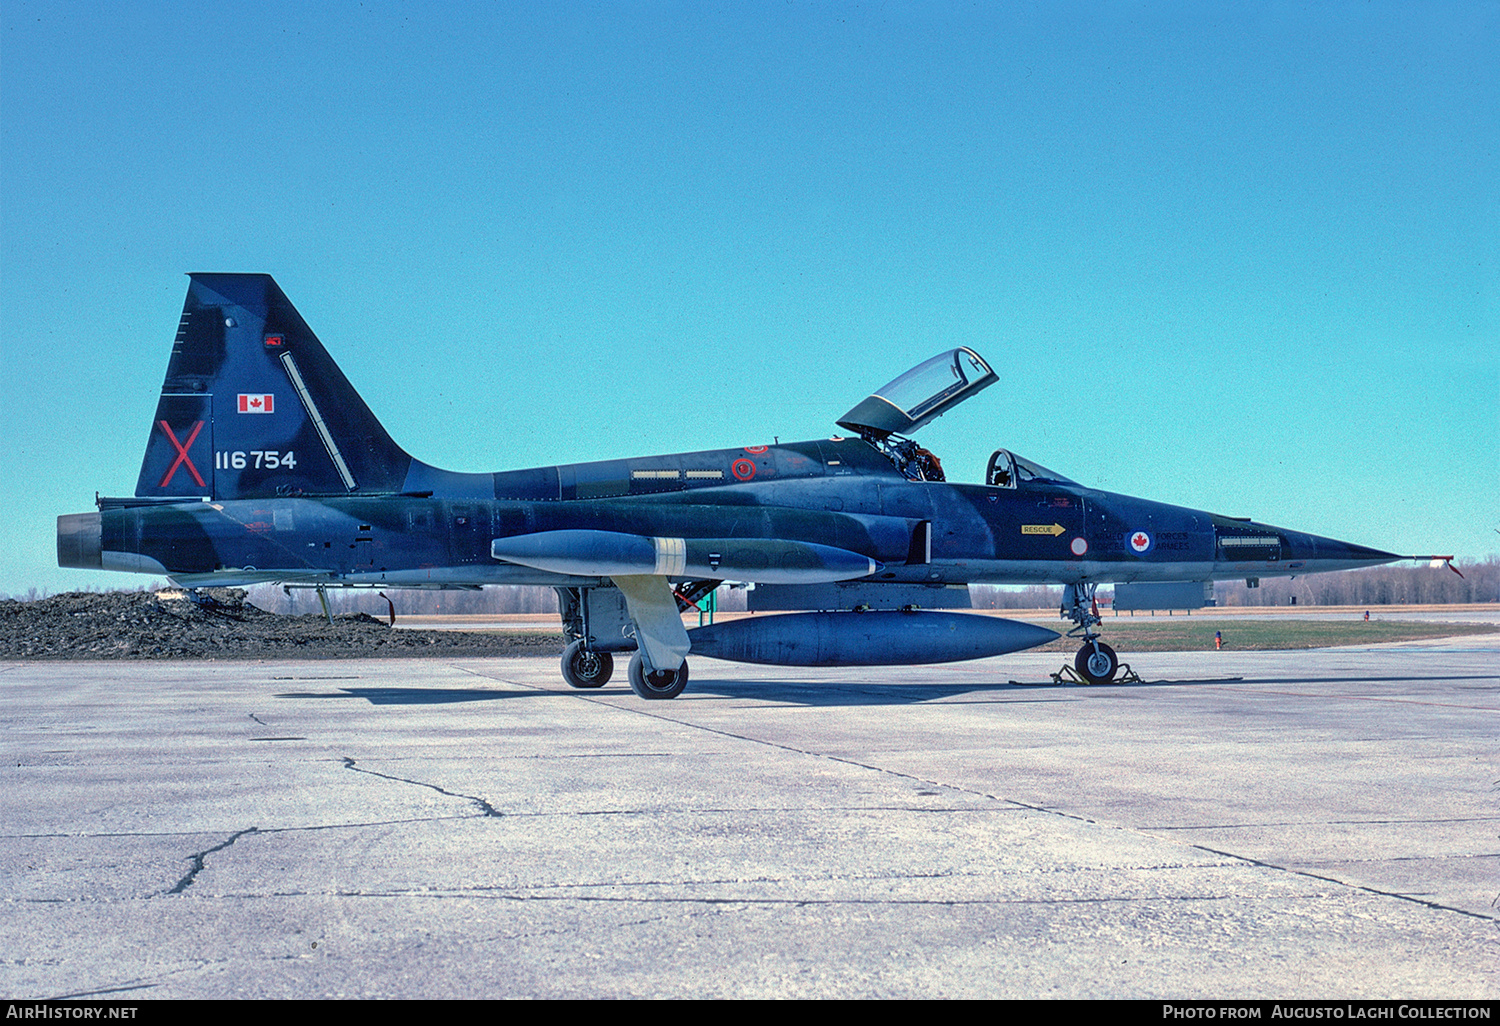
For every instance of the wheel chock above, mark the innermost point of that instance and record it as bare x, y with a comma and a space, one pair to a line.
1068, 675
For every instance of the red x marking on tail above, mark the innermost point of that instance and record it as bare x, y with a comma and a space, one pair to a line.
182, 453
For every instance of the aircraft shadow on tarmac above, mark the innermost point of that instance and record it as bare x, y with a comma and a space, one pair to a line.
853, 693
837, 693
780, 692
797, 692
410, 696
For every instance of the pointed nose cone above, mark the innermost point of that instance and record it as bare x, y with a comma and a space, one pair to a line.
1317, 554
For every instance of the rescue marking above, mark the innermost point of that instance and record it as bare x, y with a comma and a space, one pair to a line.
1053, 529
1079, 546
182, 454
742, 469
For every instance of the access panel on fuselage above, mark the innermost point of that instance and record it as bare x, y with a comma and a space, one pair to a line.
1033, 523
1126, 529
469, 533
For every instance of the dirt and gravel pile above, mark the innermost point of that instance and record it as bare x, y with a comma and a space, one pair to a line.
220, 624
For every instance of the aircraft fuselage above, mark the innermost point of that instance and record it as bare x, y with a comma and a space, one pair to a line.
840, 492
263, 464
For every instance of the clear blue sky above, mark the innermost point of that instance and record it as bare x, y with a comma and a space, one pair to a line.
1240, 257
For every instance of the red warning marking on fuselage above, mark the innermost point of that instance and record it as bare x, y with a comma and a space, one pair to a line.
182, 453
742, 469
756, 449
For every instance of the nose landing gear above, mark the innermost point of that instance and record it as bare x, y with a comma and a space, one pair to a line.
1096, 662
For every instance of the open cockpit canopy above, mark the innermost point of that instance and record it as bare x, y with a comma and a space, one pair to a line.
927, 391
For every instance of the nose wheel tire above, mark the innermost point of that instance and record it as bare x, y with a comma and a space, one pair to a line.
1096, 662
656, 683
583, 668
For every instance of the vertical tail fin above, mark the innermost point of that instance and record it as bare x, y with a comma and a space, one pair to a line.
253, 405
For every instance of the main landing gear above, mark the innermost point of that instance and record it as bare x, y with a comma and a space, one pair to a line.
584, 668
656, 683
597, 622
1096, 662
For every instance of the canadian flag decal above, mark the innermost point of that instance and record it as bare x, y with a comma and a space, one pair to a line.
257, 403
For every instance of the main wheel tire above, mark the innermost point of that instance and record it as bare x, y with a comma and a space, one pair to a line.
1097, 663
657, 683
584, 668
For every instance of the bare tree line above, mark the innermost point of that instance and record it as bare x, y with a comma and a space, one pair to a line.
1032, 596
497, 599
1376, 586
407, 601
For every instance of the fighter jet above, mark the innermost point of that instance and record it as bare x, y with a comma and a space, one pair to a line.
263, 464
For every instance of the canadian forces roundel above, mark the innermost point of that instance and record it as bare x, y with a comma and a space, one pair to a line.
1140, 542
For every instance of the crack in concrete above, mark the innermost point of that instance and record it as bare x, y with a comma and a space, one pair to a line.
763, 810
198, 857
358, 824
161, 979
1456, 856
491, 894
1434, 905
485, 807
656, 715
848, 878
347, 676
793, 749
103, 990
1327, 822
